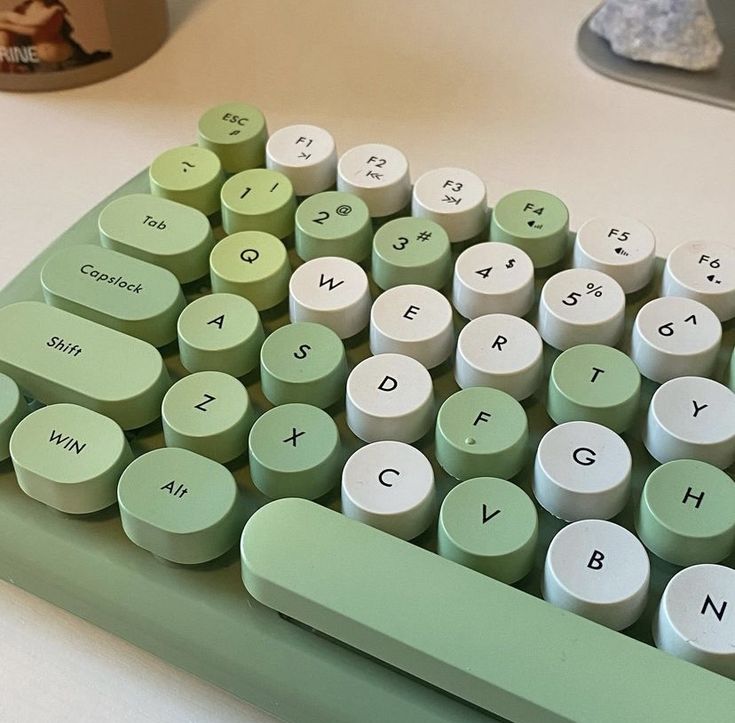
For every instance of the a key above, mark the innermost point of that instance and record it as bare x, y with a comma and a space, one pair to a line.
162, 232
501, 351
582, 471
412, 320
306, 154
674, 336
687, 513
389, 397
599, 570
491, 526
59, 357
295, 451
119, 291
389, 485
692, 418
180, 506
70, 458
454, 198
13, 408
333, 223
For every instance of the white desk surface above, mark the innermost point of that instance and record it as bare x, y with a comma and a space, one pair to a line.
491, 85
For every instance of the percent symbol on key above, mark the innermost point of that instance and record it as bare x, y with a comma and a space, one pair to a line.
596, 290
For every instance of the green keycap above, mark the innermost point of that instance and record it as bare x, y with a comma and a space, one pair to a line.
237, 133
180, 506
732, 370
252, 264
295, 452
481, 431
220, 332
490, 525
481, 640
119, 291
333, 223
60, 357
13, 408
535, 221
594, 383
208, 413
189, 175
411, 251
305, 363
258, 200
687, 513
162, 232
70, 458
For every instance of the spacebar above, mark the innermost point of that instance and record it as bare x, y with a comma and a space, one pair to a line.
481, 640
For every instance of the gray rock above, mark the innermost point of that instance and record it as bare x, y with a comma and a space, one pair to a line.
668, 32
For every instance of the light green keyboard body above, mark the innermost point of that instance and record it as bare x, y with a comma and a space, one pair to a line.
203, 620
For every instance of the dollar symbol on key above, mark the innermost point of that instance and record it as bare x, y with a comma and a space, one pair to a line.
510, 264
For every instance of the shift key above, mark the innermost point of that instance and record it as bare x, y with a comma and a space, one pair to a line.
58, 357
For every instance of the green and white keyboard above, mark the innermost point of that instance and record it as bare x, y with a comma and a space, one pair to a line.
357, 448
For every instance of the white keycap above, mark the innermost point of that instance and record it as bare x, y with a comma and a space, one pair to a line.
599, 570
704, 271
378, 174
306, 154
582, 471
696, 618
621, 247
581, 306
389, 485
673, 336
453, 197
390, 396
415, 321
501, 351
692, 418
331, 291
492, 278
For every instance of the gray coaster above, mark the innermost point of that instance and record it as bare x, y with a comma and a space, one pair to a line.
716, 86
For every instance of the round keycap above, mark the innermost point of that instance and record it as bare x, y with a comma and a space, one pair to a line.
220, 332
411, 251
333, 224
623, 248
501, 351
295, 452
13, 408
481, 431
303, 362
687, 513
306, 154
189, 175
258, 200
378, 174
696, 618
599, 570
594, 383
415, 321
251, 264
70, 458
582, 471
236, 132
704, 271
209, 413
673, 336
453, 197
492, 278
180, 506
489, 525
581, 306
692, 418
389, 396
331, 291
535, 221
389, 485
